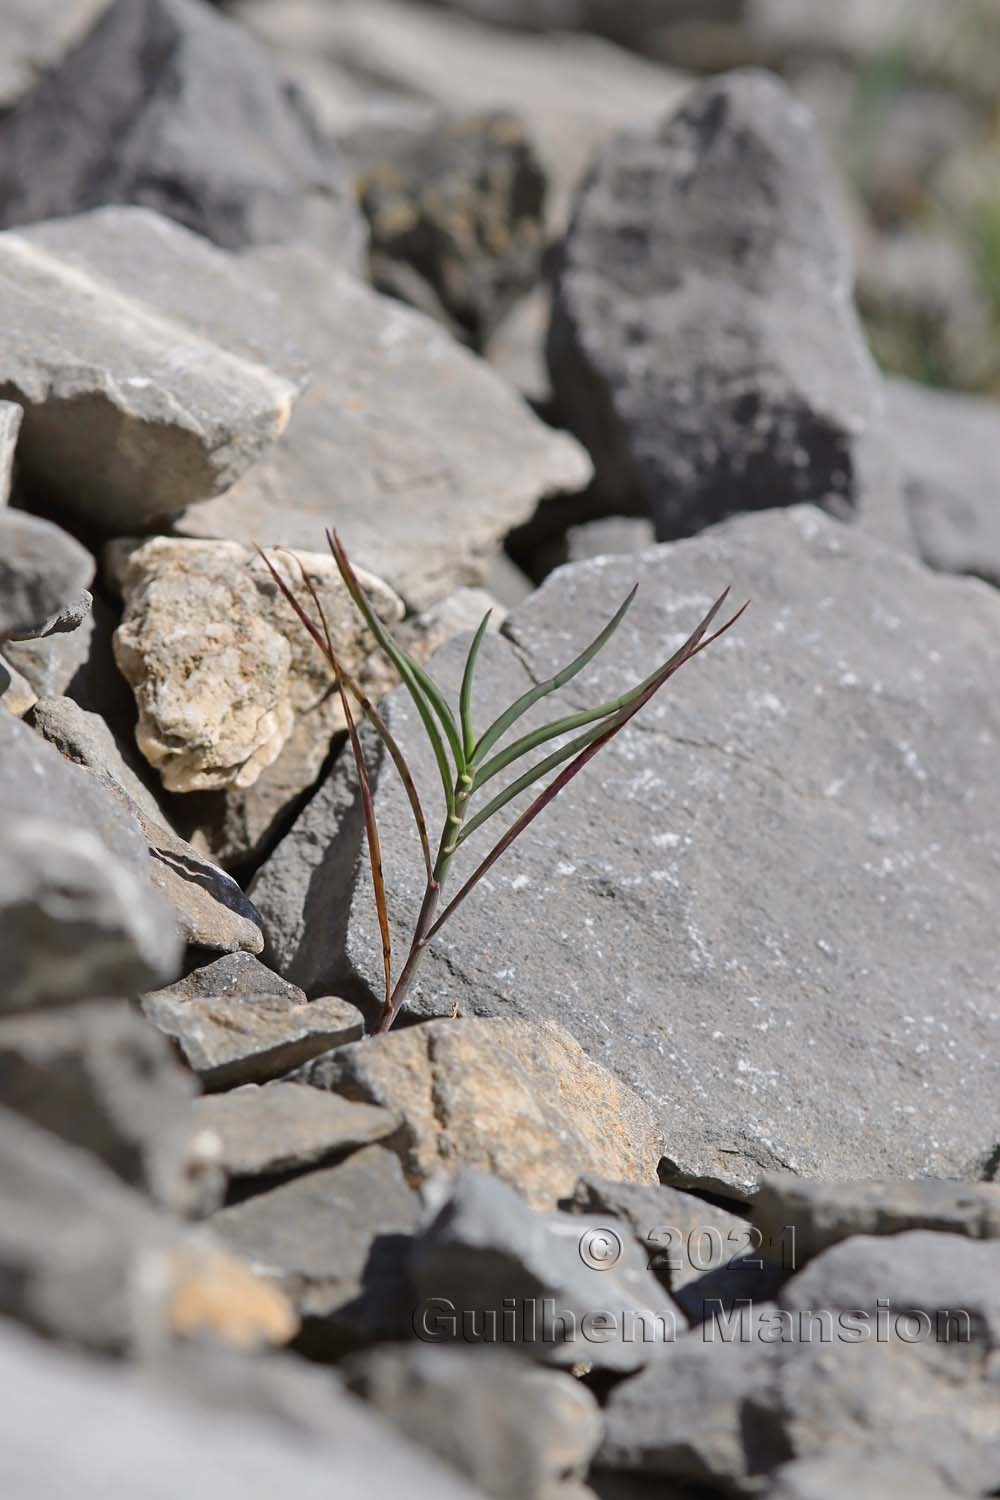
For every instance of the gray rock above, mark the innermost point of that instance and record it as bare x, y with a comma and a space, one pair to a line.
762, 926
90, 301
10, 426
235, 976
247, 1038
514, 1430
36, 37
78, 662
728, 1414
16, 693
867, 1476
563, 1289
81, 918
932, 1288
458, 203
420, 500
950, 448
704, 343
797, 1220
516, 348
170, 106
479, 1094
41, 570
104, 1080
212, 912
613, 536
211, 1429
683, 1236
86, 1259
334, 1241
285, 1127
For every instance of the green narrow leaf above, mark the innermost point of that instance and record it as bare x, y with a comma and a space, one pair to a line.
533, 695
367, 707
465, 697
527, 779
403, 666
412, 673
696, 642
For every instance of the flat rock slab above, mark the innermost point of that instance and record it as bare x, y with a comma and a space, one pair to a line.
950, 447
767, 906
135, 403
413, 448
233, 1039
168, 104
283, 1127
518, 1100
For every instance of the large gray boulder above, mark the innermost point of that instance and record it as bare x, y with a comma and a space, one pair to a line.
704, 343
421, 499
768, 905
138, 396
169, 105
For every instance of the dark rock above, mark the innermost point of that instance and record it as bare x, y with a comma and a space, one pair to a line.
286, 1127
212, 912
249, 1038
80, 916
90, 301
704, 344
479, 1094
459, 203
207, 1427
85, 1259
950, 447
104, 1080
762, 925
42, 569
564, 1289
334, 1240
170, 106
797, 1219
376, 424
515, 1430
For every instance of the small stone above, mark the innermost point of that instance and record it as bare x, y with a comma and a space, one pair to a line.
16, 693
10, 426
212, 912
41, 570
613, 536
90, 301
866, 1476
517, 1099
228, 1040
219, 663
563, 1289
516, 1431
419, 499
169, 105
235, 976
104, 1080
799, 1218
332, 1240
286, 1127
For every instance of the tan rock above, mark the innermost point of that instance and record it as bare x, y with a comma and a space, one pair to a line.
517, 1099
219, 664
214, 1295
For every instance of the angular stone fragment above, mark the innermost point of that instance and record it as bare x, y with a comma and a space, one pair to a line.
41, 570
235, 976
563, 1289
16, 693
168, 105
135, 403
950, 451
333, 1240
514, 1430
212, 912
867, 1476
219, 663
286, 1127
228, 1040
10, 426
36, 37
85, 1259
762, 926
105, 1080
419, 498
519, 1100
804, 1217
704, 343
